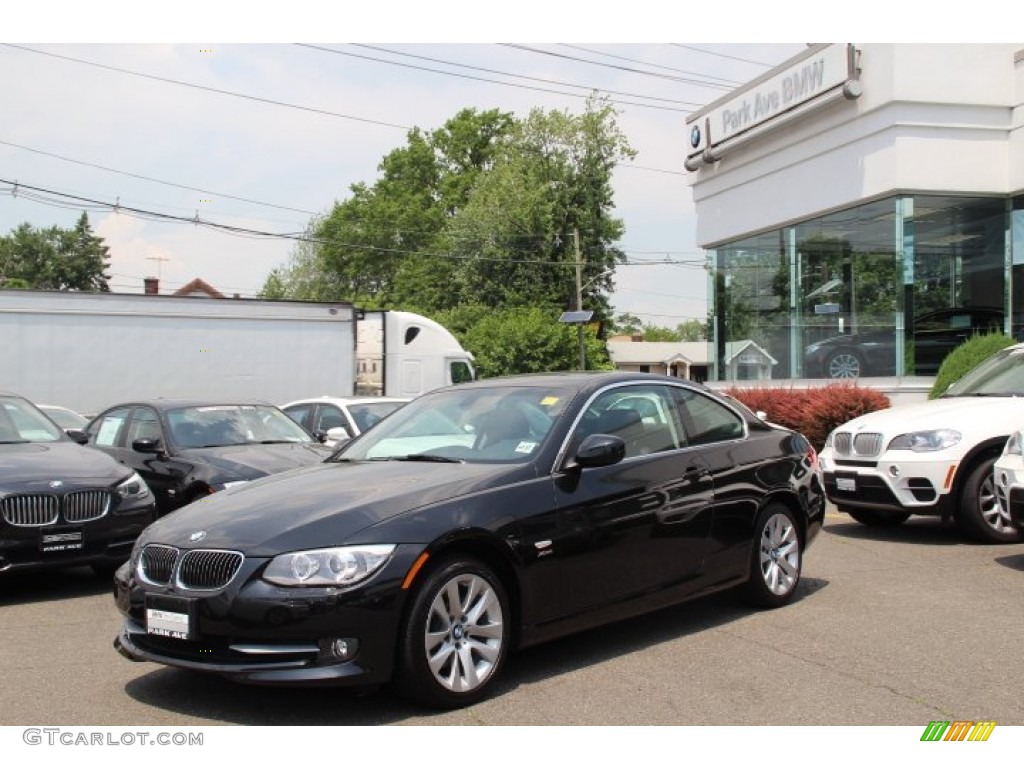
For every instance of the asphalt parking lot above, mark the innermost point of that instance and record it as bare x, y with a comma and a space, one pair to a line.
891, 627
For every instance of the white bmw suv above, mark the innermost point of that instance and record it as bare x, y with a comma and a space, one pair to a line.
932, 458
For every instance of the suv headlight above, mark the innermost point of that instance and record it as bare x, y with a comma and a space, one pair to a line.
928, 440
1015, 445
334, 567
133, 488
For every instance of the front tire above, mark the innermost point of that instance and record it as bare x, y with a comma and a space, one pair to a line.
454, 643
777, 558
980, 514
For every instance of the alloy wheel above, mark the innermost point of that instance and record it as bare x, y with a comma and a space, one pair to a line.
994, 506
780, 554
844, 365
464, 633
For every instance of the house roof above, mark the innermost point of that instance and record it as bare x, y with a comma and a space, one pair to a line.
198, 286
648, 352
665, 352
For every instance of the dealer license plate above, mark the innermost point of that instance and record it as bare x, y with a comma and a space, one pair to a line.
170, 617
847, 484
61, 541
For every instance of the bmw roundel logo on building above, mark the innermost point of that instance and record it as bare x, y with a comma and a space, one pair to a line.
695, 136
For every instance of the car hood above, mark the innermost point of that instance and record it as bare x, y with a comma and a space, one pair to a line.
26, 465
972, 416
321, 506
255, 460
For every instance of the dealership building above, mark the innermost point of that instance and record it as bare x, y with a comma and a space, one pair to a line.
862, 208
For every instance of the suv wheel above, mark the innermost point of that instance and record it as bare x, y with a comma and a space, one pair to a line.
980, 514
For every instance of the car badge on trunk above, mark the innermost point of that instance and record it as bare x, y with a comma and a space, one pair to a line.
197, 536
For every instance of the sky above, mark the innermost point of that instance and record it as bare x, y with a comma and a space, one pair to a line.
248, 128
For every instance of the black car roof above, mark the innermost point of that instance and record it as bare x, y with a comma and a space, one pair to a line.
574, 379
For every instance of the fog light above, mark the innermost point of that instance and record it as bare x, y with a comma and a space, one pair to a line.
894, 470
339, 648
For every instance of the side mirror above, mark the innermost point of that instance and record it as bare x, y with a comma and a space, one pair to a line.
146, 445
600, 451
79, 436
338, 434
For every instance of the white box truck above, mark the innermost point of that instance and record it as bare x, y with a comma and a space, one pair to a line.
89, 350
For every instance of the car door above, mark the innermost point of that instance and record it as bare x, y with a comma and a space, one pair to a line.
642, 524
734, 463
164, 474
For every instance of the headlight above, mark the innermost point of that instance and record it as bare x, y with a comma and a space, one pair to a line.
929, 440
1015, 445
335, 567
133, 488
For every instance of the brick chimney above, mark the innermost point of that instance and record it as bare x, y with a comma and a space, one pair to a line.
152, 286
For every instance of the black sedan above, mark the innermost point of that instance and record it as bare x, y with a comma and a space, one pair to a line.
186, 450
873, 353
480, 517
62, 504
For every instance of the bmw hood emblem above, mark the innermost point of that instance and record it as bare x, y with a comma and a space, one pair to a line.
197, 536
56, 483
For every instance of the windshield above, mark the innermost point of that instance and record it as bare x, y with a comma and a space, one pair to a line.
479, 424
1000, 375
365, 415
22, 422
211, 426
64, 418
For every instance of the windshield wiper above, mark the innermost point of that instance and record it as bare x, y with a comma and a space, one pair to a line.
427, 457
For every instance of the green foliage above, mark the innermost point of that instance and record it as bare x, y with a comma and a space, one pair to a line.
489, 210
54, 258
520, 340
966, 357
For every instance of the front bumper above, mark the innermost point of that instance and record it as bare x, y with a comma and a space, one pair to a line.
106, 541
255, 632
904, 481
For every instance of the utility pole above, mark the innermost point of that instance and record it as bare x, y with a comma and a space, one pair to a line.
579, 299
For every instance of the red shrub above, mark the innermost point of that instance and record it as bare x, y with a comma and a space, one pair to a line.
813, 412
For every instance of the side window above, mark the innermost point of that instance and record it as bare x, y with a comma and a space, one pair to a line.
706, 420
144, 426
329, 417
460, 372
106, 429
299, 413
640, 415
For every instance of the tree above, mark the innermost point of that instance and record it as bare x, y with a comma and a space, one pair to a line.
54, 258
520, 340
487, 211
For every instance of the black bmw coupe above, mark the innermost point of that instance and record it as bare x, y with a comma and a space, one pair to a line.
479, 518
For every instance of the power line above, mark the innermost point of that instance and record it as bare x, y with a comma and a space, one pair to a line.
39, 194
155, 181
221, 91
488, 80
722, 55
506, 74
673, 78
726, 81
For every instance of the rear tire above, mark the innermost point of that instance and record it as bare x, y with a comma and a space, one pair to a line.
776, 559
456, 637
980, 515
879, 519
